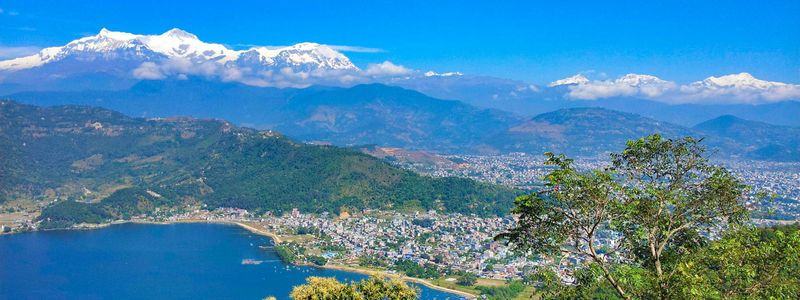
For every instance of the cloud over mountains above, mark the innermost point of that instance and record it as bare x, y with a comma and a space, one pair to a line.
177, 54
734, 88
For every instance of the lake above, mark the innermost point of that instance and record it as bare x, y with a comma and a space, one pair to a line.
143, 261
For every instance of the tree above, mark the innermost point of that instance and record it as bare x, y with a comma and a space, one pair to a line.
654, 201
672, 195
567, 215
319, 288
377, 288
745, 264
373, 288
467, 279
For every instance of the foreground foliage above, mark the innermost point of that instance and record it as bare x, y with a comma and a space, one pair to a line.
746, 264
373, 288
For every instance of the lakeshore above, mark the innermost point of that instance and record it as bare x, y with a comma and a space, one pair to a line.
253, 227
189, 259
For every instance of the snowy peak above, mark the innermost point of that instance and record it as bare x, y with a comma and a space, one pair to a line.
105, 44
741, 80
179, 34
108, 34
179, 44
640, 80
313, 55
577, 79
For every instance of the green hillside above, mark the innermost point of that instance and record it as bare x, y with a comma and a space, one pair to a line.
117, 166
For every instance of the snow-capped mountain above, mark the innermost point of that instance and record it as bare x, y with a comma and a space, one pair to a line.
577, 79
445, 74
733, 88
629, 85
113, 60
640, 80
741, 87
741, 80
176, 44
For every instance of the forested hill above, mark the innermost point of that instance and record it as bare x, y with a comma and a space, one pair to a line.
126, 166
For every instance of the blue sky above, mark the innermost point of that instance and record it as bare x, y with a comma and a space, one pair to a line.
536, 42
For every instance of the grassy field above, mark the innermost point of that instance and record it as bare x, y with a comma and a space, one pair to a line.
452, 285
528, 293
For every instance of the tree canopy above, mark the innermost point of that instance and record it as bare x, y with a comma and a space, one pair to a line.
373, 288
644, 227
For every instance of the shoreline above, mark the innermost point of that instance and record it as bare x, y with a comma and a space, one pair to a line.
424, 282
277, 240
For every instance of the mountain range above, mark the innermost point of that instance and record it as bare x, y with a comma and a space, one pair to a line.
117, 60
313, 93
112, 59
395, 117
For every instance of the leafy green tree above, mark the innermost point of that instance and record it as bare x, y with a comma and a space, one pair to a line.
321, 288
377, 288
567, 215
745, 264
414, 269
373, 288
671, 195
658, 196
317, 260
467, 279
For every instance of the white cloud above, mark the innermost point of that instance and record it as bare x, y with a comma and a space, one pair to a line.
359, 49
576, 79
631, 85
14, 52
387, 68
283, 77
148, 70
734, 88
737, 88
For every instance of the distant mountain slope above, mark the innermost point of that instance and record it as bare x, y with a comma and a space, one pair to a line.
781, 113
526, 99
550, 99
581, 131
394, 117
244, 105
762, 140
389, 116
363, 114
92, 154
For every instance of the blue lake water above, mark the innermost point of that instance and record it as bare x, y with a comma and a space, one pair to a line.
137, 261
